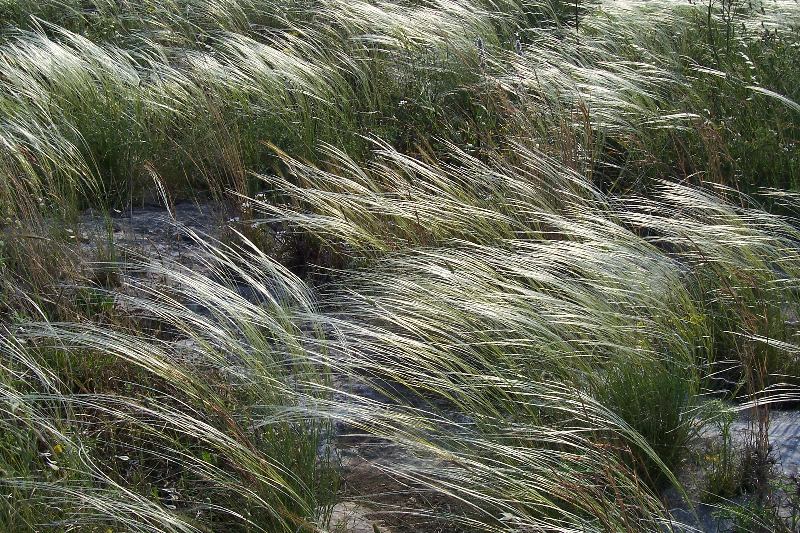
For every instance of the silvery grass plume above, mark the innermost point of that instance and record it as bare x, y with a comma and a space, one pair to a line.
722, 258
94, 112
507, 441
84, 118
202, 431
501, 373
727, 257
111, 108
399, 201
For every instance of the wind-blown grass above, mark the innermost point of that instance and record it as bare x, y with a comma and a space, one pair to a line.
531, 258
200, 433
518, 375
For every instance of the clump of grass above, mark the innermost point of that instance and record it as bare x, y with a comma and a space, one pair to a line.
131, 432
211, 443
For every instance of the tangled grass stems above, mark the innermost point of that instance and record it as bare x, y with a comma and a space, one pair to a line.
510, 366
177, 427
422, 432
518, 310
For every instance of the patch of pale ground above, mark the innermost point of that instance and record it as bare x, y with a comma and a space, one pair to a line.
784, 461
